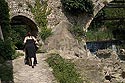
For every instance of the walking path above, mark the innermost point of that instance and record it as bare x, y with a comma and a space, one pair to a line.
41, 73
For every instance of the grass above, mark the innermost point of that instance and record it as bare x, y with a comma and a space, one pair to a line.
96, 35
63, 70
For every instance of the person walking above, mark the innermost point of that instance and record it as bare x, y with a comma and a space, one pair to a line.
30, 49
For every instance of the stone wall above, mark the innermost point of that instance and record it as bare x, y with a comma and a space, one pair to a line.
58, 14
20, 8
63, 41
59, 18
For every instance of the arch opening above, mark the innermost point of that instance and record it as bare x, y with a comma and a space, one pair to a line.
22, 20
20, 26
107, 28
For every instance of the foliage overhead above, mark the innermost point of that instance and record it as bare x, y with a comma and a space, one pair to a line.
78, 6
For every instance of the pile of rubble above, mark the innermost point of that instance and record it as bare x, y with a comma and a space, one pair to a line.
114, 67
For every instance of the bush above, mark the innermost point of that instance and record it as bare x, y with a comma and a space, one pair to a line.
17, 34
6, 50
78, 6
17, 54
63, 70
96, 35
6, 46
77, 32
4, 18
41, 12
45, 32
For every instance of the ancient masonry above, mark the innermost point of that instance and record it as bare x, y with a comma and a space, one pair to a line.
20, 7
57, 15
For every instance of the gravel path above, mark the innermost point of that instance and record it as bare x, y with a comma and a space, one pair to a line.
41, 73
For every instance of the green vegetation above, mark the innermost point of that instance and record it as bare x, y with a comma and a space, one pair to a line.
63, 70
77, 32
4, 19
97, 35
17, 54
6, 47
108, 24
6, 73
45, 32
78, 6
41, 12
18, 33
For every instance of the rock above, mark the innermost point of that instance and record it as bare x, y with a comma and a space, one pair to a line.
106, 81
122, 52
105, 53
63, 40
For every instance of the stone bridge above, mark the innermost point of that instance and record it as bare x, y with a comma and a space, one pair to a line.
20, 11
58, 14
61, 21
20, 8
98, 5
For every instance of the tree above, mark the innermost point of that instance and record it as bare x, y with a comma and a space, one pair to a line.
4, 18
6, 47
78, 6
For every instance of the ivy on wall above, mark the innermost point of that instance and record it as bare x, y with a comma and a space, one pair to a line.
78, 6
77, 32
41, 12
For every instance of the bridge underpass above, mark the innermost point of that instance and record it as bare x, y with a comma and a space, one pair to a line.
22, 20
117, 31
21, 25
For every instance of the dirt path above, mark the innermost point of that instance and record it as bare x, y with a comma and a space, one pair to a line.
41, 73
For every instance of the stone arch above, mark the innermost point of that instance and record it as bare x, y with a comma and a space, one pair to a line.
22, 13
99, 4
27, 21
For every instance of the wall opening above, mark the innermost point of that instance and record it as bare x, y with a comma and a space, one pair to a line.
108, 26
20, 26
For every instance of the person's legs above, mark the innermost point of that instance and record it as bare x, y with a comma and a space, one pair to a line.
32, 61
35, 60
26, 57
